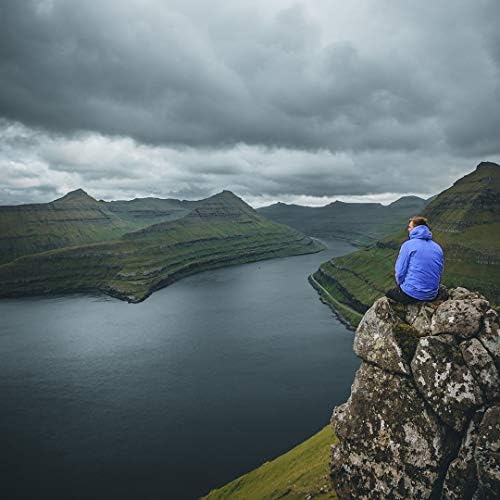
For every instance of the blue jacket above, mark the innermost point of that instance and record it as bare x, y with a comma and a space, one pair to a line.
419, 265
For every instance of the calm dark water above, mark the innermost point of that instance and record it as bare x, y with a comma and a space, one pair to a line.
200, 383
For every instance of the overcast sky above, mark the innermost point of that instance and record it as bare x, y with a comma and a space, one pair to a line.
298, 101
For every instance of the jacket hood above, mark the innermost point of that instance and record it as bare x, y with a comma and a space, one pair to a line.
421, 232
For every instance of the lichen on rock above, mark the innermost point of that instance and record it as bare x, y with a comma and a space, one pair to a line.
487, 454
489, 335
413, 426
461, 477
482, 367
378, 337
380, 453
419, 316
445, 381
459, 317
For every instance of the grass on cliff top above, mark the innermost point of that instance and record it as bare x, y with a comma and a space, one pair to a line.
300, 472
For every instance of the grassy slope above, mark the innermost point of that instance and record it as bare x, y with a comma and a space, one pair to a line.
78, 219
75, 219
465, 221
298, 473
223, 231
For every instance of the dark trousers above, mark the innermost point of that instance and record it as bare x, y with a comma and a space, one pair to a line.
398, 295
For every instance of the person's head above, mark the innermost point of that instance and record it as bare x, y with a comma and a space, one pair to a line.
418, 220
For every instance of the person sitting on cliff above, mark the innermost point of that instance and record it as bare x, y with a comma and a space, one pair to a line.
419, 266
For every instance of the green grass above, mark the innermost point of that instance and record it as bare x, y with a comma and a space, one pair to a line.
28, 229
300, 472
346, 313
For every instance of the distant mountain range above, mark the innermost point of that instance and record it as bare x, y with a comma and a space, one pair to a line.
464, 219
77, 219
358, 223
128, 249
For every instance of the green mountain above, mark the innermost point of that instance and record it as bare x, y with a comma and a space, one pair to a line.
465, 221
74, 219
219, 231
78, 219
359, 223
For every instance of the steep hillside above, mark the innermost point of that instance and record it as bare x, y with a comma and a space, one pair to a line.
358, 223
300, 473
464, 219
219, 231
78, 219
74, 219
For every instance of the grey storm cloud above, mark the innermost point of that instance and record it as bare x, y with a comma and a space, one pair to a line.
270, 98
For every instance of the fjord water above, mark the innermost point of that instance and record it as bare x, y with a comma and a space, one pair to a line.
169, 398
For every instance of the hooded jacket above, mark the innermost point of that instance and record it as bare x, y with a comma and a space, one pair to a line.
419, 265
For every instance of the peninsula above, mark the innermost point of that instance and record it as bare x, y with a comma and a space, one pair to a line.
130, 249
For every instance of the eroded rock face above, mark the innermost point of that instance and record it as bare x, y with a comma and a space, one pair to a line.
380, 454
419, 316
461, 293
459, 317
489, 335
482, 367
461, 478
423, 418
487, 454
445, 381
377, 337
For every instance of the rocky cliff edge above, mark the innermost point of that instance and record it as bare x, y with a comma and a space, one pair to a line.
423, 417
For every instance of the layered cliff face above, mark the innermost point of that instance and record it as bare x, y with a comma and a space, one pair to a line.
423, 417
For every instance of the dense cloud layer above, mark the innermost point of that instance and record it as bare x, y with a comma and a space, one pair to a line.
275, 100
36, 166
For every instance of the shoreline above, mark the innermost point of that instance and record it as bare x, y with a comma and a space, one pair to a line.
188, 270
337, 307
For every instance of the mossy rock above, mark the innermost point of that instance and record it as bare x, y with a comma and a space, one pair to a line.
407, 339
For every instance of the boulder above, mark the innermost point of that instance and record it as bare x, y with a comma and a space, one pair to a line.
459, 317
487, 455
482, 367
423, 417
391, 445
419, 316
462, 293
381, 338
461, 478
489, 335
445, 381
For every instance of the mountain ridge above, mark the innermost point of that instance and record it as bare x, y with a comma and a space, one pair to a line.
361, 224
221, 230
77, 218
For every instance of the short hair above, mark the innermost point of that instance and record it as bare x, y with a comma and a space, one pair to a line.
419, 220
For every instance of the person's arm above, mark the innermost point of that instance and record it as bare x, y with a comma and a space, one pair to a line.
402, 262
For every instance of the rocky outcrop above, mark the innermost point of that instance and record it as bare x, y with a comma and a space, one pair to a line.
423, 417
